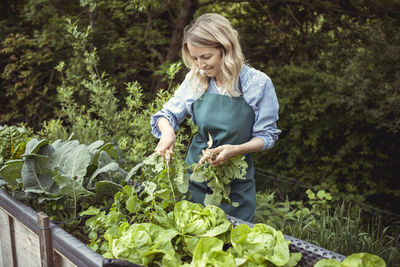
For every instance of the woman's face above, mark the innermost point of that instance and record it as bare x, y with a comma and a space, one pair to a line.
207, 59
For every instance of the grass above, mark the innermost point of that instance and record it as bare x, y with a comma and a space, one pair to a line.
340, 227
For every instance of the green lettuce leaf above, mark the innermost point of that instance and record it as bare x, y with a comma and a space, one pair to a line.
209, 252
142, 244
194, 221
354, 260
261, 244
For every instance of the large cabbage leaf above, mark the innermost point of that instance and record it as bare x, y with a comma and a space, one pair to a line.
36, 170
74, 164
62, 149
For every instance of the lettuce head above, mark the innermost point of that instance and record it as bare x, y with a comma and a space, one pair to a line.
354, 260
209, 252
193, 221
142, 244
262, 245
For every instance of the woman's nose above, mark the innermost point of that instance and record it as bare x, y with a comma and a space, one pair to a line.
200, 63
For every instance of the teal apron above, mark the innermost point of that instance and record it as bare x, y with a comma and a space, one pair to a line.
229, 120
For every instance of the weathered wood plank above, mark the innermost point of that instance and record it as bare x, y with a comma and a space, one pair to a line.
56, 259
61, 261
7, 256
21, 226
27, 248
46, 253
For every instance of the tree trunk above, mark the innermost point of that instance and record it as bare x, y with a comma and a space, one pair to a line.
188, 7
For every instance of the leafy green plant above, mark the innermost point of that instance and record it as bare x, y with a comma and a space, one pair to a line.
142, 244
64, 173
193, 221
154, 188
340, 227
105, 116
151, 206
219, 178
354, 260
209, 252
12, 141
262, 245
195, 234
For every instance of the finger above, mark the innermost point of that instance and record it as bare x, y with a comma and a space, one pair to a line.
215, 150
159, 150
171, 149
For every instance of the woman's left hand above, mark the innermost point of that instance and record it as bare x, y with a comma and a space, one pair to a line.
224, 153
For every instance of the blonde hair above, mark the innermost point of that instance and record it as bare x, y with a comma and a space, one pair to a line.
215, 31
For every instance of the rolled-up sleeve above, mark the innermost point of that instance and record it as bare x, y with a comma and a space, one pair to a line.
175, 110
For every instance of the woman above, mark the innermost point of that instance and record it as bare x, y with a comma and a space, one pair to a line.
233, 102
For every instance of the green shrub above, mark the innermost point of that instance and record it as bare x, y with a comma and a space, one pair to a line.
105, 116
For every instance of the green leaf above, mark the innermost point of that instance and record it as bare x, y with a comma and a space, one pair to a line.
110, 168
109, 149
133, 171
35, 181
90, 211
33, 146
107, 169
107, 188
93, 147
156, 161
75, 163
62, 149
209, 252
181, 177
142, 244
133, 204
11, 171
72, 187
193, 221
328, 263
214, 198
261, 244
200, 175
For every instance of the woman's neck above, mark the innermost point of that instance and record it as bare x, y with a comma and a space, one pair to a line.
218, 81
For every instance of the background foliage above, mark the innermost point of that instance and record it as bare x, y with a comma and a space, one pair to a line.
335, 66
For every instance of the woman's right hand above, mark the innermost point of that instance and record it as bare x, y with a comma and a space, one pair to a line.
168, 138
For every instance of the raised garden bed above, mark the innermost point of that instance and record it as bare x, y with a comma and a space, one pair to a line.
26, 240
